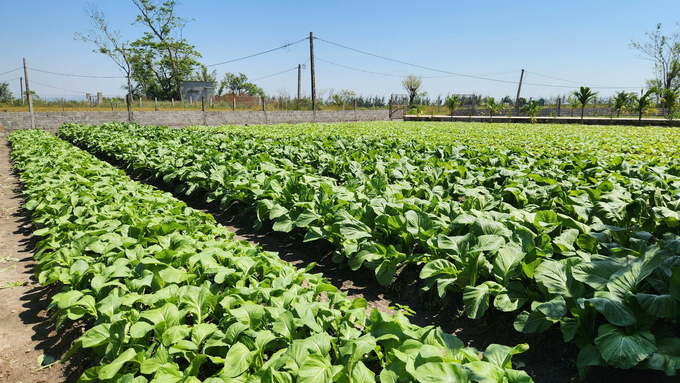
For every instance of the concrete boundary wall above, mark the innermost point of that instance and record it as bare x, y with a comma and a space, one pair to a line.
51, 121
551, 120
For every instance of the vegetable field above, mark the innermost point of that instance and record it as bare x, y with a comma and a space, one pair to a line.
170, 297
567, 229
564, 226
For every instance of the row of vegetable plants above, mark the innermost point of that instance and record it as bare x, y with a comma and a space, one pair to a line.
553, 138
170, 297
587, 242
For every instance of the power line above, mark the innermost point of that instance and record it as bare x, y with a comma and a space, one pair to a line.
74, 75
275, 74
357, 69
54, 87
459, 74
398, 75
260, 53
582, 83
10, 71
414, 65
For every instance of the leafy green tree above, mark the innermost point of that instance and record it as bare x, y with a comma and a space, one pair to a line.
411, 84
532, 110
233, 83
584, 95
621, 102
5, 93
163, 55
664, 51
493, 106
239, 85
453, 102
644, 103
203, 75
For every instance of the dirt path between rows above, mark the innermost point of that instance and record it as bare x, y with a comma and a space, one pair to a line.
26, 331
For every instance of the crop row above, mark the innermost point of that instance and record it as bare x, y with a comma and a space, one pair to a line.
171, 298
661, 143
580, 241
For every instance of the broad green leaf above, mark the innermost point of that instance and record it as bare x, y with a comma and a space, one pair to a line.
110, 370
238, 359
317, 369
622, 350
613, 308
443, 372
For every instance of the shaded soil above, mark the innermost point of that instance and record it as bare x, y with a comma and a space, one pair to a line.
26, 331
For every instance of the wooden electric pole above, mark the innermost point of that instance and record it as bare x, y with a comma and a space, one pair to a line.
29, 98
21, 84
311, 58
299, 78
518, 90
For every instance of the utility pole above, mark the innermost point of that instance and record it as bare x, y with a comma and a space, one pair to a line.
311, 58
299, 78
518, 90
21, 84
29, 98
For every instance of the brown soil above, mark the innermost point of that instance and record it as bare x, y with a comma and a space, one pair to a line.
26, 331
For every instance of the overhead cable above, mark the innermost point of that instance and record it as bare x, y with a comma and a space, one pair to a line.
260, 53
74, 75
459, 74
275, 74
10, 71
397, 75
54, 87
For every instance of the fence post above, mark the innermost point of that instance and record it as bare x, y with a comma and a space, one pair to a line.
211, 102
140, 101
233, 103
355, 105
172, 101
264, 102
559, 106
390, 107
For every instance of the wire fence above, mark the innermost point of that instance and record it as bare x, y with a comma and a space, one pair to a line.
223, 103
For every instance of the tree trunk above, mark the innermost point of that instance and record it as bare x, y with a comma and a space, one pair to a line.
129, 99
582, 111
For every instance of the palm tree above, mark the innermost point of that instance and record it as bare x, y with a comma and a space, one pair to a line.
453, 102
643, 104
621, 102
493, 106
532, 110
669, 99
583, 95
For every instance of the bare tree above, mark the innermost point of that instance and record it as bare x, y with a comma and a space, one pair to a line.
664, 51
109, 43
411, 84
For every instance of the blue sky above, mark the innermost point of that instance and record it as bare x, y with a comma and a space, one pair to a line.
582, 41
